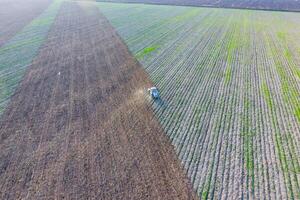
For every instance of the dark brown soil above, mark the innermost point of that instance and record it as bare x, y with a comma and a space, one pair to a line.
80, 126
282, 5
15, 14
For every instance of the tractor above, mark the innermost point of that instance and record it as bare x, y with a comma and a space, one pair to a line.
153, 91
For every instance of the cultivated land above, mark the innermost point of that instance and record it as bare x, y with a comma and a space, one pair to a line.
18, 52
75, 121
16, 14
287, 5
230, 86
79, 125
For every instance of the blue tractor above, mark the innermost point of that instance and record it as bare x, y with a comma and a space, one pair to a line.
154, 93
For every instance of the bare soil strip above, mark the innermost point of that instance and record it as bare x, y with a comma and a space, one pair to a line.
79, 126
15, 14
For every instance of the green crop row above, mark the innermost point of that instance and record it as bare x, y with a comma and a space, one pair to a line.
19, 51
233, 133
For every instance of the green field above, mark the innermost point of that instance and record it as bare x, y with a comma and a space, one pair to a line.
18, 53
230, 86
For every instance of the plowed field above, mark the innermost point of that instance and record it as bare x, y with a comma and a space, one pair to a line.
79, 125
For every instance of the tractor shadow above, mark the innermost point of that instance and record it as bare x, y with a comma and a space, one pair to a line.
160, 103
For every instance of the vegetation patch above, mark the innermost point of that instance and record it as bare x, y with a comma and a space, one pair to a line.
147, 51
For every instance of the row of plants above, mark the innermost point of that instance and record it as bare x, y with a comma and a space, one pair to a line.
223, 77
18, 53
